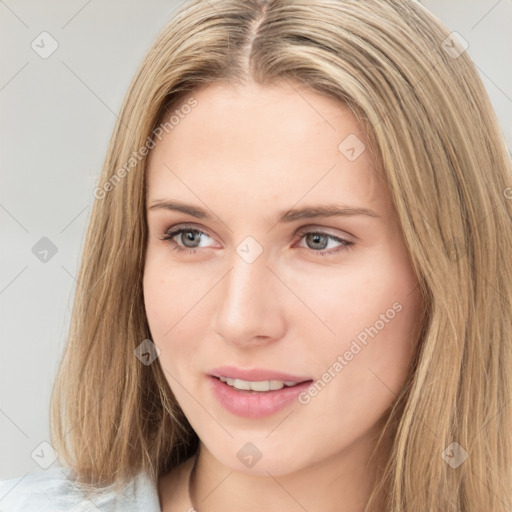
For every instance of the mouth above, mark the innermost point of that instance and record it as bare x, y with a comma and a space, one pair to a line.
232, 373
259, 386
252, 397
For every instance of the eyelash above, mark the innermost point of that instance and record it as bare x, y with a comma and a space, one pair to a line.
173, 232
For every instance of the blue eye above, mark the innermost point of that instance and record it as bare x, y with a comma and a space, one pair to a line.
323, 239
173, 233
312, 236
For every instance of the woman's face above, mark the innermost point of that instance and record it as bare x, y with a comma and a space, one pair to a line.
248, 290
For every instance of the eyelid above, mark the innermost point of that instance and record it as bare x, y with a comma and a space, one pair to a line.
326, 231
301, 231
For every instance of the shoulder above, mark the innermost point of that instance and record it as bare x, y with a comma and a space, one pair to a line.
55, 490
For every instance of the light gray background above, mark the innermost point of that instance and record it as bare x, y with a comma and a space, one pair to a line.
57, 117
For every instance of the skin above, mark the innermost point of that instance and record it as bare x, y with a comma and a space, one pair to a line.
245, 154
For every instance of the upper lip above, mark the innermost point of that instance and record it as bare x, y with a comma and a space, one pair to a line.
255, 374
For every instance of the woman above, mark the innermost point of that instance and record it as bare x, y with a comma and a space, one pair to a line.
296, 283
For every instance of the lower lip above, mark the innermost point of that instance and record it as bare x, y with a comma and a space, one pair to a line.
255, 404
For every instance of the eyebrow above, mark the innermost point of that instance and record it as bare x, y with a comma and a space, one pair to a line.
309, 212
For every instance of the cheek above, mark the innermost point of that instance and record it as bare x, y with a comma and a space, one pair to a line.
176, 315
158, 301
169, 293
373, 313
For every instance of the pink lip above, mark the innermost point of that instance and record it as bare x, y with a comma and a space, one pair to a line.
255, 404
254, 374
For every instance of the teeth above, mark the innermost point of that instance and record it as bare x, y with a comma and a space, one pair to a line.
265, 385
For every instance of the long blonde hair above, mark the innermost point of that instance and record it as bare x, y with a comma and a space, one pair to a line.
431, 128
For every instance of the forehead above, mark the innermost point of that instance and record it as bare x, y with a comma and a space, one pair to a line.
282, 142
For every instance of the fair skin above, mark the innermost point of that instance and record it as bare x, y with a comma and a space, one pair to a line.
245, 154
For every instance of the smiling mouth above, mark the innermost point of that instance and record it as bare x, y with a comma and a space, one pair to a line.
256, 399
262, 386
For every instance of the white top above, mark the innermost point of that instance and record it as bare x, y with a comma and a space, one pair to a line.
52, 490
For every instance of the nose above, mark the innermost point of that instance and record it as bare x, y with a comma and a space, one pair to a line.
250, 303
